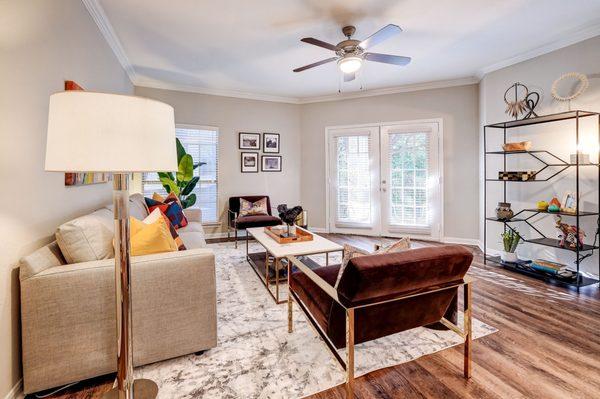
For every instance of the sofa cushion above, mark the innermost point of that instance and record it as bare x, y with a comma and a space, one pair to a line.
40, 260
85, 239
244, 222
192, 239
137, 207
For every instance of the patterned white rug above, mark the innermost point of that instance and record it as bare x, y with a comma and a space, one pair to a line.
257, 358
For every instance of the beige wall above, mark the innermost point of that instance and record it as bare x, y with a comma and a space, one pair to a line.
42, 43
233, 115
538, 74
457, 106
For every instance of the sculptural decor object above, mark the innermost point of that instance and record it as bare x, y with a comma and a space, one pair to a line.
554, 205
517, 175
542, 206
531, 101
519, 146
503, 212
519, 105
571, 237
289, 216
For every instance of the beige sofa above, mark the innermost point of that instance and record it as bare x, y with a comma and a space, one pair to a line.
68, 309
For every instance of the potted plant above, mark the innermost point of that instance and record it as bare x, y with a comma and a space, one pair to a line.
510, 240
183, 182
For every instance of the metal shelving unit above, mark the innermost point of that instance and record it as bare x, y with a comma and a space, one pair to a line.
525, 215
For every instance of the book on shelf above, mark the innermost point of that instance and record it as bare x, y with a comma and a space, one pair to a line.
551, 267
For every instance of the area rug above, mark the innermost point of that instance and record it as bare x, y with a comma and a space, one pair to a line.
257, 358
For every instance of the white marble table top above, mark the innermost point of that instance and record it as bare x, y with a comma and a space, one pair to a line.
316, 246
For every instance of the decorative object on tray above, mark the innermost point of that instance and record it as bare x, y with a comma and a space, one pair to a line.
518, 105
510, 240
302, 220
555, 268
271, 163
517, 175
280, 234
570, 236
583, 158
569, 86
249, 162
183, 182
569, 204
249, 141
554, 205
531, 101
503, 212
289, 215
518, 146
271, 143
542, 206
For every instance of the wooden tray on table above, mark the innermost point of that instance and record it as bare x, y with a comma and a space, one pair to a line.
279, 234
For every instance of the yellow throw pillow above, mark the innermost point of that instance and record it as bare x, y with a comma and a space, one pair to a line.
150, 238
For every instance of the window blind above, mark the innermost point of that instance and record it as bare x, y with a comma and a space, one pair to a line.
353, 179
203, 146
409, 160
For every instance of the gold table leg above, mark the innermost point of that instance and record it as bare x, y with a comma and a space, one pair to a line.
289, 299
349, 353
467, 330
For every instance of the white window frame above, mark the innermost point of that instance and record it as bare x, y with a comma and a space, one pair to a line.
216, 222
440, 161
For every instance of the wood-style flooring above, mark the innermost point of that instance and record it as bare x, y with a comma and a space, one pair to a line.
547, 346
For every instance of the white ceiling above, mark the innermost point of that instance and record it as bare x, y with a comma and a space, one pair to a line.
241, 46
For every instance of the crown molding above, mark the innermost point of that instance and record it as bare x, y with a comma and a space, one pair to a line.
156, 84
573, 37
307, 100
438, 84
99, 16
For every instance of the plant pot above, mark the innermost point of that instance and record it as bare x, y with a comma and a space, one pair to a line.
509, 257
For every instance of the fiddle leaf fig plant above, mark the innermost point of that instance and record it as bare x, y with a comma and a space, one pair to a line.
182, 183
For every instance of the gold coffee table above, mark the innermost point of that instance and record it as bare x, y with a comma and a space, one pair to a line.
268, 264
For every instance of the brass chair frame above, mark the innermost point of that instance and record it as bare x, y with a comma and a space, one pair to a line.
348, 364
232, 217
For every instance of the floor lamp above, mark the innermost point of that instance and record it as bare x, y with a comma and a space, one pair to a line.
117, 134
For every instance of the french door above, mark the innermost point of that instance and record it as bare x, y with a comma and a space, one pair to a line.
385, 180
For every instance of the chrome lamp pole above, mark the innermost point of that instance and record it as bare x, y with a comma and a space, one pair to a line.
116, 134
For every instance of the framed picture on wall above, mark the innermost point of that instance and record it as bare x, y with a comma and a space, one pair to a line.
249, 141
271, 163
249, 162
271, 143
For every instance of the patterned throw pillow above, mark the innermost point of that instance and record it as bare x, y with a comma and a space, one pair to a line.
248, 208
171, 207
154, 215
401, 245
350, 252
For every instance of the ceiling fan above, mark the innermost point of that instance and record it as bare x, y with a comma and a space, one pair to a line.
351, 53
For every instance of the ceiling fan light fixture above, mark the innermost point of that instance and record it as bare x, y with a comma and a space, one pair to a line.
350, 64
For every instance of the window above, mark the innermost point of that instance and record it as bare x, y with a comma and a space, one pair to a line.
409, 168
202, 143
353, 179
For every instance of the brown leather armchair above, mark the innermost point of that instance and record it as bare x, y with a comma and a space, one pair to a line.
236, 222
380, 295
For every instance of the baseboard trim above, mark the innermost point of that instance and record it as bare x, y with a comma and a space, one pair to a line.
16, 392
463, 241
322, 230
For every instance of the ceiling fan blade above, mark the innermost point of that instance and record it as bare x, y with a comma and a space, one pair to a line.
315, 64
320, 43
348, 77
382, 34
387, 58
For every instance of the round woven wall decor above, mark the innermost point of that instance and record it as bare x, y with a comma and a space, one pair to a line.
575, 77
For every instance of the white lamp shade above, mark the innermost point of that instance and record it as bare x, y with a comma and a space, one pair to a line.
99, 132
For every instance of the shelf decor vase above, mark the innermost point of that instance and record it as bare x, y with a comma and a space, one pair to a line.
503, 212
509, 257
